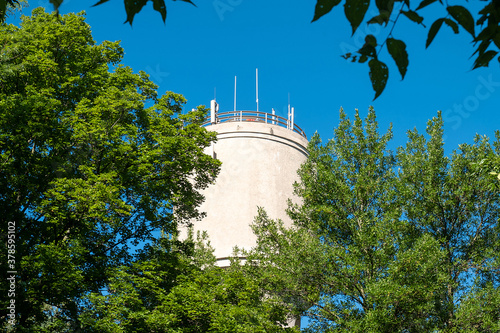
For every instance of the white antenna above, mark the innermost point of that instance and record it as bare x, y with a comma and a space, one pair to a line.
291, 120
234, 93
273, 114
288, 115
257, 87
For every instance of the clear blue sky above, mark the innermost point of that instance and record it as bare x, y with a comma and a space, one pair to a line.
205, 47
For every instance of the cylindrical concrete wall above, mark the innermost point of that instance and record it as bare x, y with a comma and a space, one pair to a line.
259, 166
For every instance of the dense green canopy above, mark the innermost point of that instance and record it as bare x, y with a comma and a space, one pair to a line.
405, 241
92, 161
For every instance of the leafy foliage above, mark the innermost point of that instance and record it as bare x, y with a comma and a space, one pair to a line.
92, 162
133, 7
7, 7
388, 242
180, 289
488, 20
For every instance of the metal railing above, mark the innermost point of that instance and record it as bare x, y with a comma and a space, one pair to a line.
255, 116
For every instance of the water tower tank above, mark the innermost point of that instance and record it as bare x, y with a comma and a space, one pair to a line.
260, 154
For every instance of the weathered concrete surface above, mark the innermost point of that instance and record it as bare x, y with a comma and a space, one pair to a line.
259, 166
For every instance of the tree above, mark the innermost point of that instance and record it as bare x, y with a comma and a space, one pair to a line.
7, 7
178, 288
483, 27
451, 199
388, 242
92, 162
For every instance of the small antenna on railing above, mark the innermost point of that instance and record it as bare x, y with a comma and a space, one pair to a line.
288, 114
234, 93
257, 87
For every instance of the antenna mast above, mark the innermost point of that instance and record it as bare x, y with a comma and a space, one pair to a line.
288, 114
257, 87
234, 93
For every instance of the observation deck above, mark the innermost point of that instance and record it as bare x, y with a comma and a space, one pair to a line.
253, 116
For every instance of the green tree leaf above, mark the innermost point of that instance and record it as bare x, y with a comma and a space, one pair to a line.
179, 289
414, 16
355, 11
452, 24
393, 242
463, 17
56, 4
483, 60
93, 162
382, 18
159, 6
368, 49
397, 50
385, 8
323, 7
3, 10
436, 25
425, 3
132, 8
100, 2
379, 74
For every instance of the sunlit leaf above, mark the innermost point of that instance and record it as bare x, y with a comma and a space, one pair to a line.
355, 11
433, 31
379, 74
463, 17
397, 50
323, 7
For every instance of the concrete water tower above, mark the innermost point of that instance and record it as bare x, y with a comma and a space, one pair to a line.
260, 154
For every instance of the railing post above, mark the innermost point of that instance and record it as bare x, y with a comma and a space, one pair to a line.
214, 107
